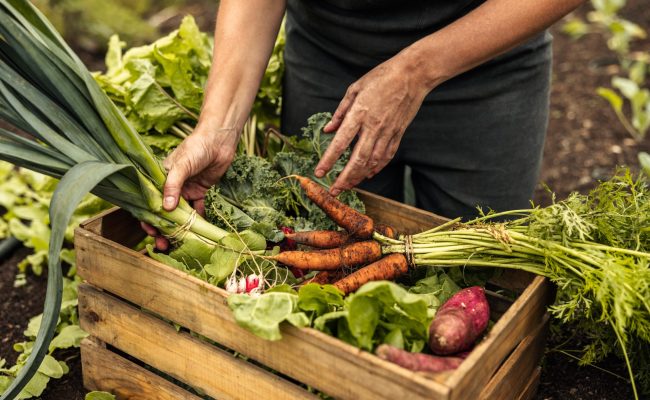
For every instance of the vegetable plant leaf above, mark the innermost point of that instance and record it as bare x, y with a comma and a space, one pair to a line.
77, 182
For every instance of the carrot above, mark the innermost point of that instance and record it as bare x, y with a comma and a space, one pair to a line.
325, 277
417, 361
459, 322
319, 239
351, 255
386, 230
344, 216
321, 278
388, 268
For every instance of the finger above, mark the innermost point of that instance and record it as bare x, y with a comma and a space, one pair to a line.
339, 144
341, 111
199, 206
149, 230
384, 154
377, 160
176, 177
162, 243
357, 167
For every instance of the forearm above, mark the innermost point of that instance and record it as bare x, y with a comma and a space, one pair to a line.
491, 29
244, 38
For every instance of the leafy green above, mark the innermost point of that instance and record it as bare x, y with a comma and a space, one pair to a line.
262, 315
253, 194
95, 395
160, 84
379, 312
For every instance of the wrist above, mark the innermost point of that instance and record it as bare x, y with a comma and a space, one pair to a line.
425, 64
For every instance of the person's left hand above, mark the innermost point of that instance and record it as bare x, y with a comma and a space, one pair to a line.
378, 108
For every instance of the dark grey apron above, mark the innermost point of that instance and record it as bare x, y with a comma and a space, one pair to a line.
477, 139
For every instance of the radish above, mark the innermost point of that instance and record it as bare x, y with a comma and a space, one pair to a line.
459, 322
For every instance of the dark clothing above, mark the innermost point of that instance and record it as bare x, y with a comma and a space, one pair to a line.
477, 139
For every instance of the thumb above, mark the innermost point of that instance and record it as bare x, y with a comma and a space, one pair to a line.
176, 177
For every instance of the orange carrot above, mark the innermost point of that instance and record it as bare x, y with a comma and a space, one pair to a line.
386, 230
325, 277
319, 239
344, 216
388, 268
321, 278
351, 255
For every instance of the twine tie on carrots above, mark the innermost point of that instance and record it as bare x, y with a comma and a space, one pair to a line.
179, 234
409, 253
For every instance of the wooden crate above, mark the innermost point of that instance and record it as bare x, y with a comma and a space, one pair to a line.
128, 300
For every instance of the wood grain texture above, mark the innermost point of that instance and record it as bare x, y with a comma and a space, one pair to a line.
107, 371
192, 361
531, 387
511, 379
307, 355
404, 218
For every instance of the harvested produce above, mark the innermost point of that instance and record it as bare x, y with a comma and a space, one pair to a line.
459, 322
356, 223
319, 239
353, 254
388, 268
417, 361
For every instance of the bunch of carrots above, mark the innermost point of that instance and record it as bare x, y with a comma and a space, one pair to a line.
339, 252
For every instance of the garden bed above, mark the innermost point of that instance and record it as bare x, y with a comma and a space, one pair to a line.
129, 299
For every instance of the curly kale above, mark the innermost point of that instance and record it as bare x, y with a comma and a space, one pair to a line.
253, 195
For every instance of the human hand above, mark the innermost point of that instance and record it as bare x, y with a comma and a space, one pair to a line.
378, 108
192, 168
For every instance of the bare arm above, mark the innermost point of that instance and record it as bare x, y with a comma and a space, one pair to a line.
244, 38
380, 105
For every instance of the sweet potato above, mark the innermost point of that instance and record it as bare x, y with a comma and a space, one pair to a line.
417, 361
459, 322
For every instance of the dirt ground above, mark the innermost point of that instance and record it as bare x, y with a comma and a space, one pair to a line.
585, 143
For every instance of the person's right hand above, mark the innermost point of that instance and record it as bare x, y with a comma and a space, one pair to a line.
193, 167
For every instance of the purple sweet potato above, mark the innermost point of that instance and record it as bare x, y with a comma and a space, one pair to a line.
459, 322
417, 361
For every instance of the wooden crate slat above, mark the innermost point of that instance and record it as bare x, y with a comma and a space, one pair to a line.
190, 360
344, 372
513, 376
105, 370
405, 218
519, 321
531, 387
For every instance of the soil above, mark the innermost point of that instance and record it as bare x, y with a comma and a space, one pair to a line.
585, 143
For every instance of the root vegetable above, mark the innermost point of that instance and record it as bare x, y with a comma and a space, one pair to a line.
319, 239
388, 268
417, 361
350, 255
459, 322
386, 230
351, 220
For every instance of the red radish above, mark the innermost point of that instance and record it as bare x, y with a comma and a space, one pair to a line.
252, 282
417, 361
459, 322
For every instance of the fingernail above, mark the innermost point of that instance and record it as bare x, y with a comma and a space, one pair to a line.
335, 192
169, 202
319, 173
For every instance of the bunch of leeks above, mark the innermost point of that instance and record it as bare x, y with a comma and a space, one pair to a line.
79, 136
